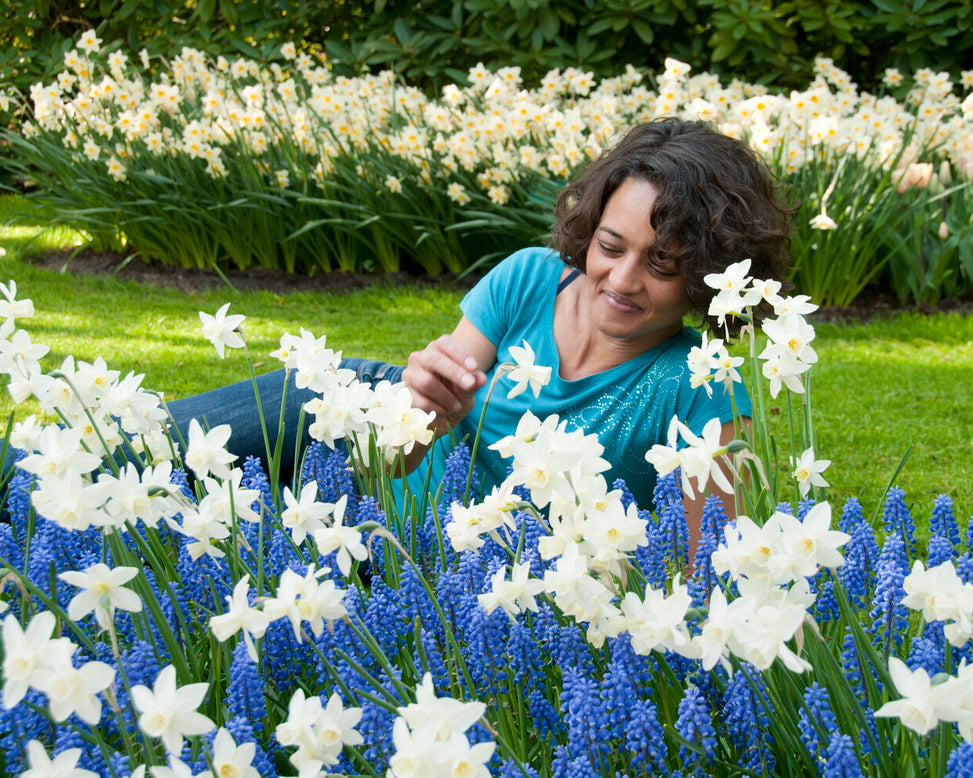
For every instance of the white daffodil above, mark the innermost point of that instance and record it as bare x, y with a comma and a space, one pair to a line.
28, 653
221, 330
206, 452
231, 760
345, 540
515, 595
169, 711
102, 591
822, 221
808, 470
63, 765
74, 690
916, 707
525, 373
304, 515
240, 615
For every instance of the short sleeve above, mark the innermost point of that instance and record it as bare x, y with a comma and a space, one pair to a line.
493, 304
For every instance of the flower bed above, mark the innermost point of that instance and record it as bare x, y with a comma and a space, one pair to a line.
230, 624
198, 162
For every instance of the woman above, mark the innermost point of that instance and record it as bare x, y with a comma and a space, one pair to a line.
633, 238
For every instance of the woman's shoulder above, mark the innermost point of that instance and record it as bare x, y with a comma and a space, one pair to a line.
534, 260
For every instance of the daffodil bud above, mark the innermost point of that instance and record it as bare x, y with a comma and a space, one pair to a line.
943, 230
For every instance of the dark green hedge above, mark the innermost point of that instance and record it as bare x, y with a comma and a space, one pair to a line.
436, 41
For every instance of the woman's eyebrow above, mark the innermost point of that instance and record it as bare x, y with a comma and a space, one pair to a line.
611, 232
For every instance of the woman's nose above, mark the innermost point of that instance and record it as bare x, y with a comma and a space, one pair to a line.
626, 274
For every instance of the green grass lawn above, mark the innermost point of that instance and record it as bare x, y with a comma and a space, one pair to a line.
879, 389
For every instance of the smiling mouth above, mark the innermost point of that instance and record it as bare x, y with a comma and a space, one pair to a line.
618, 303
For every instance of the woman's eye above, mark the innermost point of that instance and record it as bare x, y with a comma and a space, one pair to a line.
610, 250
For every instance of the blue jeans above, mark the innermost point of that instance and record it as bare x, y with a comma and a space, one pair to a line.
236, 405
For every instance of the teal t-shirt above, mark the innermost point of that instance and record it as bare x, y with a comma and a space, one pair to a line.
629, 406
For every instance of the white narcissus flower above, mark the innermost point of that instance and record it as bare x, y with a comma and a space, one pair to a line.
206, 452
169, 712
441, 716
822, 221
941, 595
220, 330
304, 514
345, 540
525, 373
306, 598
808, 470
698, 459
400, 426
916, 707
657, 622
319, 733
103, 591
74, 690
12, 309
63, 765
27, 653
231, 760
514, 596
240, 615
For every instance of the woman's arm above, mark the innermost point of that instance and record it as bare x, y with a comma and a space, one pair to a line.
445, 375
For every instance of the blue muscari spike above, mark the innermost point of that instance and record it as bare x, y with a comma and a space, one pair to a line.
91, 758
627, 497
119, 765
898, 520
803, 507
784, 507
650, 558
943, 520
331, 471
641, 670
414, 598
455, 598
510, 769
386, 617
18, 499
367, 509
243, 732
927, 652
939, 550
890, 618
815, 717
644, 740
841, 761
826, 606
960, 763
19, 725
704, 578
457, 470
570, 649
245, 692
254, 477
851, 663
204, 581
544, 716
695, 725
672, 520
561, 764
964, 567
434, 658
524, 657
747, 724
861, 553
11, 550
375, 726
532, 534
619, 695
486, 640
286, 659
851, 516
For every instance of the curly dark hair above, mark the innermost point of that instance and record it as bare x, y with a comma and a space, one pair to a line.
717, 203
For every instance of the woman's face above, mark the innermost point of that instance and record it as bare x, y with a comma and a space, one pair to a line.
631, 297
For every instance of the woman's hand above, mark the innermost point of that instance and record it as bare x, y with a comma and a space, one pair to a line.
444, 376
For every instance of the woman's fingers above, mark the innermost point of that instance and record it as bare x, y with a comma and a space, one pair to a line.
443, 377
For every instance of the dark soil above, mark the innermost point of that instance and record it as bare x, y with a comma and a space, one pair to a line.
869, 306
